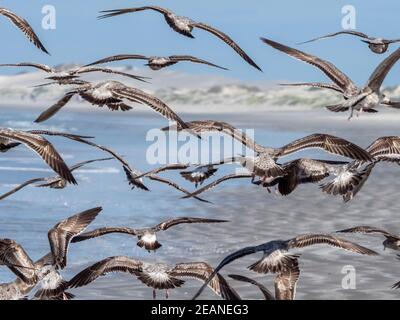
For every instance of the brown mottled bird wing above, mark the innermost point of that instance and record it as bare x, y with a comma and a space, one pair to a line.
118, 57
330, 35
333, 73
286, 282
43, 148
167, 167
331, 144
24, 26
202, 271
368, 229
39, 66
267, 294
48, 113
116, 12
383, 147
153, 102
228, 40
81, 164
173, 222
62, 233
321, 85
378, 76
195, 60
200, 126
19, 187
111, 71
17, 260
306, 240
101, 232
217, 182
111, 264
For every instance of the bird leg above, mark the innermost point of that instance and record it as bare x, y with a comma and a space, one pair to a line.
154, 294
351, 114
166, 293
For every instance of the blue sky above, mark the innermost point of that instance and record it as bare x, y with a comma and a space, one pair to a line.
80, 37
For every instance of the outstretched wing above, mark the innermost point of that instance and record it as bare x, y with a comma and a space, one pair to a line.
173, 222
225, 38
117, 12
378, 76
195, 60
368, 229
48, 113
43, 148
39, 66
306, 240
101, 232
217, 182
328, 143
19, 187
330, 35
333, 73
61, 234
153, 102
24, 26
101, 268
106, 70
118, 57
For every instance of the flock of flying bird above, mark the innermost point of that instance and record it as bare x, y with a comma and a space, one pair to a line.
264, 169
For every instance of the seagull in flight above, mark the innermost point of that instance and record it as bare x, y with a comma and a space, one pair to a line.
184, 26
158, 276
55, 182
154, 62
62, 77
376, 45
263, 164
362, 99
147, 237
112, 94
24, 26
277, 257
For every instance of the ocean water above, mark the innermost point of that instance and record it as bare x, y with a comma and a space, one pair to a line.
255, 216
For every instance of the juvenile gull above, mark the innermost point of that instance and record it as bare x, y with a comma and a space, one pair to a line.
63, 76
147, 237
184, 26
264, 163
112, 94
55, 182
158, 276
24, 26
363, 99
376, 45
277, 259
154, 62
